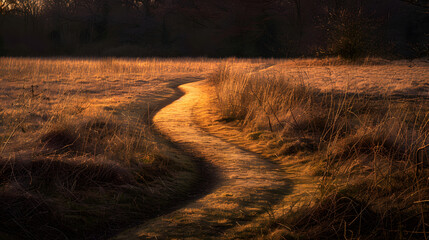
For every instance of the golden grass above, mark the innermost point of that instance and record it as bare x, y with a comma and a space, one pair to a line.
77, 155
363, 127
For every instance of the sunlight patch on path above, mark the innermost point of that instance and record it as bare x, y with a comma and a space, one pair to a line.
246, 187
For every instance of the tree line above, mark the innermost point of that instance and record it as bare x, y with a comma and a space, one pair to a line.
214, 28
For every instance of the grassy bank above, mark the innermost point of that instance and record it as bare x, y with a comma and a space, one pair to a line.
359, 127
78, 156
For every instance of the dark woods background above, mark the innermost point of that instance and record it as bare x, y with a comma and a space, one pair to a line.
215, 28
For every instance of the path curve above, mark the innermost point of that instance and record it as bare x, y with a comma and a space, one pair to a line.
247, 186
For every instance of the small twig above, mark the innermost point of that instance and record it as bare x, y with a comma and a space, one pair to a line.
422, 148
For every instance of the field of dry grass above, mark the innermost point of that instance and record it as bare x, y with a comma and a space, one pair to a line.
362, 127
79, 157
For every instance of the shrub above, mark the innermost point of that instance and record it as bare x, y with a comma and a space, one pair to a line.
349, 33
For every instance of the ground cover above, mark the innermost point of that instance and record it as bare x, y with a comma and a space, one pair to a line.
78, 156
361, 127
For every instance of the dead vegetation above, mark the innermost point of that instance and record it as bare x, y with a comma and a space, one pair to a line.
78, 156
369, 147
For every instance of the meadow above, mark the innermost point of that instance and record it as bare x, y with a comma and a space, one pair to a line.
361, 128
80, 157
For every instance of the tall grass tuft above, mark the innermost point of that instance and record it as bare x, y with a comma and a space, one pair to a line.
78, 158
371, 152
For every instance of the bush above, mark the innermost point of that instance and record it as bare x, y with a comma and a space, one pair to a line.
349, 33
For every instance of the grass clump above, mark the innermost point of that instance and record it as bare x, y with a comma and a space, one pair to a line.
86, 177
78, 160
371, 151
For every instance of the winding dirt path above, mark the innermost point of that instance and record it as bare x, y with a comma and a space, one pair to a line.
247, 191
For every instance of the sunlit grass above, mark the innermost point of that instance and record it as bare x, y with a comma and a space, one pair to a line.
365, 136
79, 156
77, 153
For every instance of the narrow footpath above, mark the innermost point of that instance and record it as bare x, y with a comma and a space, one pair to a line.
247, 188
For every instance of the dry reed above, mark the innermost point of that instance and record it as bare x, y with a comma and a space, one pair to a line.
370, 149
